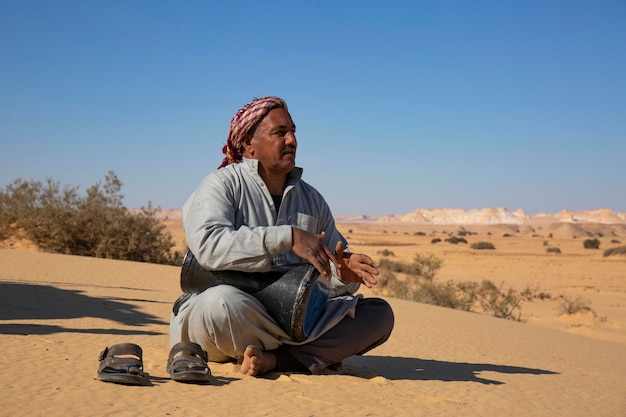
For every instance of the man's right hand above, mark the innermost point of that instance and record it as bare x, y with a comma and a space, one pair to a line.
311, 248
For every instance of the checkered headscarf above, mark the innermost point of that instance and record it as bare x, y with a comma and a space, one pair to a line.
243, 122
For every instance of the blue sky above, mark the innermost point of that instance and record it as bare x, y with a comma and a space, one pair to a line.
399, 105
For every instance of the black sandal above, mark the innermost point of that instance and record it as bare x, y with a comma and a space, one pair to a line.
188, 363
122, 364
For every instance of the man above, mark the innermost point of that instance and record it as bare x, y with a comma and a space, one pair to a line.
253, 213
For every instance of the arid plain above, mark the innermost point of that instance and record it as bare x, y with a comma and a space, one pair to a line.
58, 312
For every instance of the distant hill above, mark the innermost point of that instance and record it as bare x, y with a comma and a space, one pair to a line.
491, 216
485, 216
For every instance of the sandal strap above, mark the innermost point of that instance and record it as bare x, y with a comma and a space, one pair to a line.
121, 349
194, 348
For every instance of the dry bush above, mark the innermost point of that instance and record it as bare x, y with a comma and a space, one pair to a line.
591, 243
482, 246
619, 250
569, 305
553, 249
501, 303
419, 284
456, 240
58, 219
385, 252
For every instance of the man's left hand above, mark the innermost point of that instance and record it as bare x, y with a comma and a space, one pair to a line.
355, 267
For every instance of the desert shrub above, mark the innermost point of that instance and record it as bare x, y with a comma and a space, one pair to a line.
545, 243
435, 240
482, 245
419, 234
455, 240
419, 285
544, 296
58, 219
591, 243
569, 305
505, 304
507, 235
553, 249
619, 250
424, 266
615, 241
385, 252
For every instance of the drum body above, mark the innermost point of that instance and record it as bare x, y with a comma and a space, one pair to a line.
292, 295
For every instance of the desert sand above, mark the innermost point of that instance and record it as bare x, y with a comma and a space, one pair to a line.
57, 312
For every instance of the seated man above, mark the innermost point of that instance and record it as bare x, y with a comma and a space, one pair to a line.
254, 213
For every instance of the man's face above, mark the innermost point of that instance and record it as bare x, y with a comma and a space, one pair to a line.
274, 143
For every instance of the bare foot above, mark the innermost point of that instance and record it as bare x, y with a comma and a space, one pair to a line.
257, 362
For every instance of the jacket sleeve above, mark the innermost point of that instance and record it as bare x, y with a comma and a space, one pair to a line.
209, 220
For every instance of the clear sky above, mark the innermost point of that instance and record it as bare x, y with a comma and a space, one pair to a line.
399, 105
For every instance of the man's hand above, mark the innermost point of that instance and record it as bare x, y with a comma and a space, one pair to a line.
311, 248
356, 267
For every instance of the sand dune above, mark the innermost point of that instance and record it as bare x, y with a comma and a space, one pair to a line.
58, 312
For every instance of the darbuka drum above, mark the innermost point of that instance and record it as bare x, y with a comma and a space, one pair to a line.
292, 295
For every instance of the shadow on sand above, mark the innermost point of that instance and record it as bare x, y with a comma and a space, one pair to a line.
397, 368
21, 301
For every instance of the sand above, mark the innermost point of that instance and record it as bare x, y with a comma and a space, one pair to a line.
57, 312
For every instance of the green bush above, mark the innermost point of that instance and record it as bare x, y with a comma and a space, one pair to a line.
57, 219
591, 243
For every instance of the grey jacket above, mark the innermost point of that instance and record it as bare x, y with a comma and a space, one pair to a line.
231, 222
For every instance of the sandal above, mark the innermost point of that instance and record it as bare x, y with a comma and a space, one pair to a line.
188, 363
122, 364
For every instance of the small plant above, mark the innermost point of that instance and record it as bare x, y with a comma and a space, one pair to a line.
385, 252
455, 240
435, 240
482, 246
503, 304
591, 243
569, 305
620, 250
615, 241
553, 249
544, 296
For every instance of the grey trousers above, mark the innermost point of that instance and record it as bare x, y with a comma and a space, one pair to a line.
224, 321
